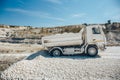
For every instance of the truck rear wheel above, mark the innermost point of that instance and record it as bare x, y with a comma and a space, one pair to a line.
55, 52
92, 51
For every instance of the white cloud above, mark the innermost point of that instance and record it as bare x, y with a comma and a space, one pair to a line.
34, 13
20, 1
78, 15
55, 1
117, 17
16, 10
113, 15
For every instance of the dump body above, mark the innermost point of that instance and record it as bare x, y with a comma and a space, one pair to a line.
65, 39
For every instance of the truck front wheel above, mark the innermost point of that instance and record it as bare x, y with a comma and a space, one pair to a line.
92, 51
55, 52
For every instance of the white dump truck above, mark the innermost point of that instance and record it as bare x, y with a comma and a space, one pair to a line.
89, 40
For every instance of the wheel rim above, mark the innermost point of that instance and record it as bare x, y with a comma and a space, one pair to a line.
92, 51
56, 53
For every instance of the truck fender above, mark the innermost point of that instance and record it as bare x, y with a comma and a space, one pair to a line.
56, 48
86, 48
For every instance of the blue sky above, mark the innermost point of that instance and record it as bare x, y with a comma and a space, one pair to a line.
48, 13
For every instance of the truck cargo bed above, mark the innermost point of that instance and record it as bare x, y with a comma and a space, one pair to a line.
66, 39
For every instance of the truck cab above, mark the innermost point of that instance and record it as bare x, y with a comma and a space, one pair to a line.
95, 36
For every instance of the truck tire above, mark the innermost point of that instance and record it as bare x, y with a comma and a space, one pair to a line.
56, 52
92, 51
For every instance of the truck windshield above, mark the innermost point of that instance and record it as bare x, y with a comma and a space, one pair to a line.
96, 30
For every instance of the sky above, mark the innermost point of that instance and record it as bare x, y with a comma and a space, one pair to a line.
49, 13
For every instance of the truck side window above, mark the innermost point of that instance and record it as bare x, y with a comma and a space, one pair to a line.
96, 30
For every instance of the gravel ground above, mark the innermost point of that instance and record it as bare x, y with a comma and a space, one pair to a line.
7, 60
40, 66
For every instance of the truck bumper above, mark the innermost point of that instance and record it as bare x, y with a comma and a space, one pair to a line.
102, 47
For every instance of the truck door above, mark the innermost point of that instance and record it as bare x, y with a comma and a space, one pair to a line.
95, 34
